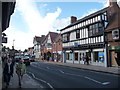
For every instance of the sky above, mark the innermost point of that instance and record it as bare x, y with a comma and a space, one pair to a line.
37, 17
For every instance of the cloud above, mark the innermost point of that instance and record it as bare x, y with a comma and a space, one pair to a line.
36, 23
106, 3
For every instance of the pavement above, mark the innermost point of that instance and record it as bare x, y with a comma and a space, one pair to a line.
0, 75
27, 82
111, 70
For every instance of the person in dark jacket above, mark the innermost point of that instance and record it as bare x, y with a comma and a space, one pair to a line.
8, 71
86, 60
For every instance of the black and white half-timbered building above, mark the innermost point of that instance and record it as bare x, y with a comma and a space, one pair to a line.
86, 37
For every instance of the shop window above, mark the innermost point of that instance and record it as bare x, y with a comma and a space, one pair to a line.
101, 57
95, 56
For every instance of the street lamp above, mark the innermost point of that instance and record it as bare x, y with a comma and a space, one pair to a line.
13, 43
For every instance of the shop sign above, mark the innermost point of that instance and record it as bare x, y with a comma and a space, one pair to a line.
101, 56
75, 44
114, 47
116, 34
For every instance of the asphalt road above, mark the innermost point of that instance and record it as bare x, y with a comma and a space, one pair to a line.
56, 76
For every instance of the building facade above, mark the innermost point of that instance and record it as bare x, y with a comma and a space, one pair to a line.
47, 47
87, 36
112, 33
37, 41
57, 48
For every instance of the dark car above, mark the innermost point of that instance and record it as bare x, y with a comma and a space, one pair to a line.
32, 59
26, 60
17, 58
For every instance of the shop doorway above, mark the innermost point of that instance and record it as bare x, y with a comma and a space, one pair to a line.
115, 58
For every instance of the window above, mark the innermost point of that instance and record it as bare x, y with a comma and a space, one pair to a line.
65, 37
91, 21
86, 32
99, 39
96, 27
89, 40
99, 18
90, 30
103, 17
96, 19
86, 41
102, 39
78, 34
84, 23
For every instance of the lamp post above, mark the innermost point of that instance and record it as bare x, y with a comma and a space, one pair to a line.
13, 42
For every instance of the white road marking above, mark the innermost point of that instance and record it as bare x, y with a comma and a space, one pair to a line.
105, 83
61, 71
47, 67
42, 81
34, 76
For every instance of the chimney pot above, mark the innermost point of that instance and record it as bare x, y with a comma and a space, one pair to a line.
73, 19
112, 2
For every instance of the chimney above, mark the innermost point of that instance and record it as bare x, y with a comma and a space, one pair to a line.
73, 19
112, 2
42, 35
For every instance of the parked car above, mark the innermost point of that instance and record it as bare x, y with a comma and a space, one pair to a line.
32, 59
26, 60
17, 58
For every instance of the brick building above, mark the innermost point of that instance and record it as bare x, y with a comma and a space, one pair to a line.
57, 48
47, 46
113, 34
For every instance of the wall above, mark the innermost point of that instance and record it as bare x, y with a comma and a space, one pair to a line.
0, 45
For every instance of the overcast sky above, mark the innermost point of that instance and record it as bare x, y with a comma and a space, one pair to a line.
38, 18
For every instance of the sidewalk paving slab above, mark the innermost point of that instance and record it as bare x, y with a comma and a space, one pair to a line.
111, 70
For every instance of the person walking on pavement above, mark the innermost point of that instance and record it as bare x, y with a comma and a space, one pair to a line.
86, 60
8, 71
20, 70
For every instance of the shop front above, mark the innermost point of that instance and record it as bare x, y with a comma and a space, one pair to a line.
114, 55
98, 57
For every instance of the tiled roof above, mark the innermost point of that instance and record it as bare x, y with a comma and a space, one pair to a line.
39, 39
53, 36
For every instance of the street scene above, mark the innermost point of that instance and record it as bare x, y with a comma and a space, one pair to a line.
59, 44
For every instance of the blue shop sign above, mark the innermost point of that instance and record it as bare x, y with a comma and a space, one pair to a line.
101, 56
75, 44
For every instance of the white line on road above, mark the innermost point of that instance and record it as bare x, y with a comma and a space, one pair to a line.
61, 71
42, 81
105, 83
47, 67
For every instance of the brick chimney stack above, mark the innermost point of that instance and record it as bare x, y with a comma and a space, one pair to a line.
112, 2
73, 19
42, 35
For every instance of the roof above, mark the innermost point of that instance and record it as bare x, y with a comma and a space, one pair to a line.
58, 37
53, 36
7, 11
39, 39
114, 18
87, 17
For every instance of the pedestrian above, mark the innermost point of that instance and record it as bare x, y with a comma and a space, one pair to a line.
8, 71
86, 60
20, 70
